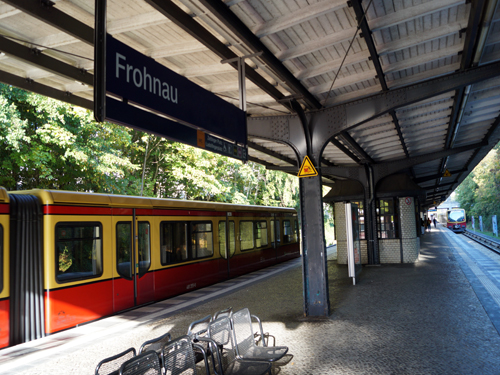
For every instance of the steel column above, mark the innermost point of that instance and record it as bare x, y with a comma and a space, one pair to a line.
371, 217
314, 270
100, 61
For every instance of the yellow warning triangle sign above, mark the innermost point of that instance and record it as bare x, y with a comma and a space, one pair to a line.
307, 168
446, 173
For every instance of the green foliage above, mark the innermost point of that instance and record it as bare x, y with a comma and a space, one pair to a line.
49, 144
479, 193
52, 145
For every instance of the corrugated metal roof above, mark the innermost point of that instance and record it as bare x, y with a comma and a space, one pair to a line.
320, 44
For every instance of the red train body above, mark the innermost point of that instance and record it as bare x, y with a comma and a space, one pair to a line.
101, 254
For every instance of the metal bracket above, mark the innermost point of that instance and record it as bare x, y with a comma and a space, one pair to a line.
241, 76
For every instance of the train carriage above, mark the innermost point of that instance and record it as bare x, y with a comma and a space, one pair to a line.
102, 254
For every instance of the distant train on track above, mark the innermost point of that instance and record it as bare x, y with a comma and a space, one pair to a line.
456, 220
67, 258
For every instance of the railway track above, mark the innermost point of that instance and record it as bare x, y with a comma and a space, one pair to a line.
488, 242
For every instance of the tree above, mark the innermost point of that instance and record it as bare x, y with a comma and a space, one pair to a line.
479, 193
49, 144
466, 194
52, 145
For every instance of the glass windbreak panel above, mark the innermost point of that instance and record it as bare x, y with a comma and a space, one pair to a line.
201, 240
456, 216
222, 239
287, 232
173, 238
78, 251
261, 234
387, 219
144, 249
246, 235
124, 249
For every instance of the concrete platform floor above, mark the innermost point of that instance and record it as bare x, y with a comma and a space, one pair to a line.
422, 318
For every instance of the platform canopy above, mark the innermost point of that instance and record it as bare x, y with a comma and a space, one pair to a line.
402, 86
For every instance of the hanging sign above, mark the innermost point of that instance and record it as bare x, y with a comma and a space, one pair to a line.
307, 168
136, 91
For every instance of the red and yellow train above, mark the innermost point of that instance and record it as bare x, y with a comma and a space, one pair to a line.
69, 258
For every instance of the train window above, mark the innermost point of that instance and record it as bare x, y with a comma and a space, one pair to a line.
144, 249
124, 249
246, 235
287, 232
201, 240
173, 237
222, 239
261, 234
78, 251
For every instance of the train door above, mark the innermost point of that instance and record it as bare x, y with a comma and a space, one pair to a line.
134, 285
227, 244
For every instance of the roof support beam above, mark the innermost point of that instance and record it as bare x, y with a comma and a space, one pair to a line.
411, 13
346, 138
470, 51
230, 20
367, 35
433, 177
334, 120
264, 163
35, 57
29, 85
346, 151
323, 42
269, 152
297, 17
55, 18
330, 122
385, 169
196, 30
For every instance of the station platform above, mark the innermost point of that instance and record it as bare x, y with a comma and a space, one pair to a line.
440, 315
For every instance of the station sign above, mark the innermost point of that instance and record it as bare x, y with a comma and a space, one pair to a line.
145, 95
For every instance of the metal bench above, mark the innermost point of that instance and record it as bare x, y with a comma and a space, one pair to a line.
225, 361
111, 365
244, 339
155, 344
178, 357
147, 363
